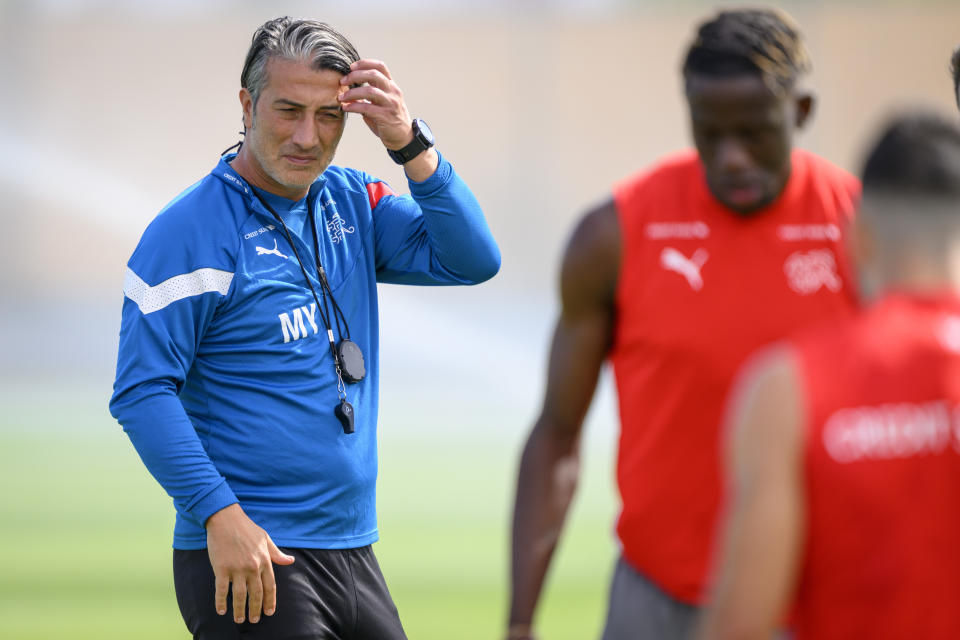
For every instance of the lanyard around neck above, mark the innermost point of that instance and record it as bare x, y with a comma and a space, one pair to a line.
329, 316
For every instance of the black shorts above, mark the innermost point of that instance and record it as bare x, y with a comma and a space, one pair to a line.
336, 594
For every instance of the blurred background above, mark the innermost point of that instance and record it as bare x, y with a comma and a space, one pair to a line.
108, 109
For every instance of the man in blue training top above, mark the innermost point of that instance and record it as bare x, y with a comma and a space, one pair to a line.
247, 375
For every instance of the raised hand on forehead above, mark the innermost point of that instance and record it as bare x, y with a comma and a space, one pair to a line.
379, 100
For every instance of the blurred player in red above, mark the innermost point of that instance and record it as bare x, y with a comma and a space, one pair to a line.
690, 266
846, 441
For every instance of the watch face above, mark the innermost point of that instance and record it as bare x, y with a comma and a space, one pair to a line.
425, 131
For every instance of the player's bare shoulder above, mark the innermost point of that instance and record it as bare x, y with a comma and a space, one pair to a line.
767, 409
591, 262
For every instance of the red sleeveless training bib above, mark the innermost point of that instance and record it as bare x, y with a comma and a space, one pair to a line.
700, 288
882, 467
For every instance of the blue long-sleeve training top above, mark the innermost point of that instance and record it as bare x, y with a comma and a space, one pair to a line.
225, 381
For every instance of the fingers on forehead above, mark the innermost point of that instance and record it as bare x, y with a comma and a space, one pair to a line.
365, 108
367, 92
369, 63
370, 74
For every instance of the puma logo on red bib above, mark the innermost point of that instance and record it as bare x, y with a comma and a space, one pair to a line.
672, 260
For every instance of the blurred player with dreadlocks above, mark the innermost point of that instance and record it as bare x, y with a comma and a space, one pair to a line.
691, 265
846, 439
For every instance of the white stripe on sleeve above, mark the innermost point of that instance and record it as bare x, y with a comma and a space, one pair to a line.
154, 298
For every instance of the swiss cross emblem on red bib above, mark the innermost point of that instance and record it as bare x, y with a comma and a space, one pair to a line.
809, 271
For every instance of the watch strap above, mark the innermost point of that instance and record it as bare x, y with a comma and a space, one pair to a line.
415, 147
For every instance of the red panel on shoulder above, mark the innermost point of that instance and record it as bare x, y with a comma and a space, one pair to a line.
376, 190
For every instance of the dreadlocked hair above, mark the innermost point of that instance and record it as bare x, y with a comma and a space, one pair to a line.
763, 41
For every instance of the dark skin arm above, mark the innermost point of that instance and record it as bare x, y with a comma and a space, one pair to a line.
550, 467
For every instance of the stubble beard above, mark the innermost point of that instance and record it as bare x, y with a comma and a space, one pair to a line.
286, 178
274, 169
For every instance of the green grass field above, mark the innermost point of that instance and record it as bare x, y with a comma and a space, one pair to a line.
86, 531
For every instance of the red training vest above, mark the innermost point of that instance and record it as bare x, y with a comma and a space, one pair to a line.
700, 288
882, 554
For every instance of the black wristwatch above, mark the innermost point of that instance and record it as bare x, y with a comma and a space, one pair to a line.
422, 140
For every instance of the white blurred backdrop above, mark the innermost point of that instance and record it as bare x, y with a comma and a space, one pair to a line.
109, 109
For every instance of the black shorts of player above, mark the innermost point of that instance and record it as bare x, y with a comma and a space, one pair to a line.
336, 594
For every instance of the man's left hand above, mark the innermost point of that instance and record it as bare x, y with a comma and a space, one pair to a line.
380, 102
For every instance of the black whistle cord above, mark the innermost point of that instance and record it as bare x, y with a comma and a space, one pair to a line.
324, 286
338, 315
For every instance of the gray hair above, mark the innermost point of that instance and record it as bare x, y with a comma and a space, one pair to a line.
299, 40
